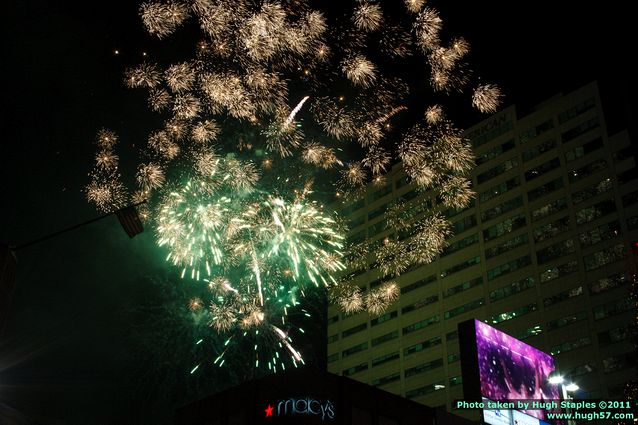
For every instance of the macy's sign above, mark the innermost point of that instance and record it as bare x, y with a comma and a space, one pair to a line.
302, 406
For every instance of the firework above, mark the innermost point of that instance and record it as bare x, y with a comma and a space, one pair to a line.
361, 71
227, 176
486, 98
434, 114
368, 17
162, 19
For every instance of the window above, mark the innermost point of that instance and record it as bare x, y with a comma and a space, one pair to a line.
627, 176
418, 284
559, 271
603, 186
563, 296
566, 320
512, 289
632, 222
599, 234
549, 230
619, 334
463, 287
358, 368
384, 338
580, 151
549, 209
383, 318
497, 171
612, 309
472, 305
616, 363
453, 358
529, 332
354, 330
385, 380
593, 212
506, 246
451, 212
484, 157
425, 390
421, 324
377, 211
420, 304
557, 250
622, 154
496, 128
608, 283
577, 110
508, 315
505, 226
545, 189
587, 170
536, 131
385, 358
356, 238
402, 181
499, 189
459, 245
461, 266
506, 206
432, 342
539, 149
357, 222
508, 267
604, 257
570, 345
456, 380
423, 367
541, 169
333, 338
630, 198
333, 357
353, 207
353, 350
464, 224
583, 369
333, 319
451, 336
380, 193
580, 129
376, 228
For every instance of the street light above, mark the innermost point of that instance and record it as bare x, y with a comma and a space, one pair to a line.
556, 379
571, 387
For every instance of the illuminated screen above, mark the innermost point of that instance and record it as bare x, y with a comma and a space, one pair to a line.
509, 369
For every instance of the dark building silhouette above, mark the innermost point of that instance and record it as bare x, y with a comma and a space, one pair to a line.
309, 396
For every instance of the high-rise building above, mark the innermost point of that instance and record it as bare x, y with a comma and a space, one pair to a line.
544, 253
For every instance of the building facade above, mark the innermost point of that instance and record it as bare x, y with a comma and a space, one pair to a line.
545, 253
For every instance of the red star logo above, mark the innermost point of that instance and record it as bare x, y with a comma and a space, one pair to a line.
268, 410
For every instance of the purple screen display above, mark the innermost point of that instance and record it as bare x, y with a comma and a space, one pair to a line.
509, 369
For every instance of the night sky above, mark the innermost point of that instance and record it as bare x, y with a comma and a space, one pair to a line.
70, 353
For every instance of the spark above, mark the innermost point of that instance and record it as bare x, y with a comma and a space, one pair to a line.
150, 176
368, 17
434, 114
162, 19
180, 77
487, 98
106, 139
145, 75
414, 6
359, 70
